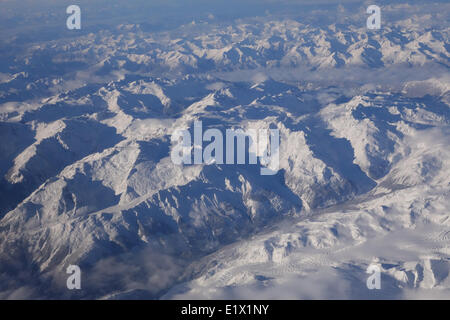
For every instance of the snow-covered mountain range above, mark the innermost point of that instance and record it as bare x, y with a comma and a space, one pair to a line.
363, 115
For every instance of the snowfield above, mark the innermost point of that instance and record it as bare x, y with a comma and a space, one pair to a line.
364, 121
